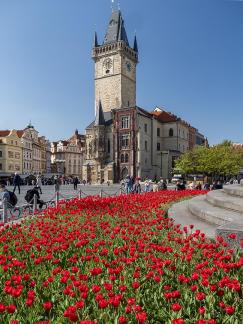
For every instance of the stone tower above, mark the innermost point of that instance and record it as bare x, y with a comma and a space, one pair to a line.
115, 67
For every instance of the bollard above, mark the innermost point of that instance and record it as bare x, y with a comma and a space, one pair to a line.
101, 193
5, 210
35, 203
80, 194
57, 198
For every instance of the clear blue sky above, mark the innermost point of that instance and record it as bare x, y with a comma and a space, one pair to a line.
191, 62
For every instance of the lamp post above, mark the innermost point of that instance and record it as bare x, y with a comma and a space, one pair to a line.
161, 153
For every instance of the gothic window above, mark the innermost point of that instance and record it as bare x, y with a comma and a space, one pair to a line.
122, 158
125, 139
145, 128
146, 145
108, 146
171, 132
125, 122
126, 158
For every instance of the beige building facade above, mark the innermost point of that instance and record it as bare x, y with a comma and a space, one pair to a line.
68, 156
10, 153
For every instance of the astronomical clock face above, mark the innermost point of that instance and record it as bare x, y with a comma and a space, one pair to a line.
107, 66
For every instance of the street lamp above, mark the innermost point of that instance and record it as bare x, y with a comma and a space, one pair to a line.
161, 153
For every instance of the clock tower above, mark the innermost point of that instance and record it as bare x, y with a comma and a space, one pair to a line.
115, 67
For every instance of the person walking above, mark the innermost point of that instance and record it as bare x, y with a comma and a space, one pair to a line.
137, 187
75, 183
16, 182
39, 183
57, 184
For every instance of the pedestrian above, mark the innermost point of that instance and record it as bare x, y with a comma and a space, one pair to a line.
39, 183
206, 186
128, 184
146, 186
155, 187
4, 194
199, 186
137, 187
75, 183
57, 183
29, 197
16, 182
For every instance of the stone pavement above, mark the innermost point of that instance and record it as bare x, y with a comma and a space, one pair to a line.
67, 191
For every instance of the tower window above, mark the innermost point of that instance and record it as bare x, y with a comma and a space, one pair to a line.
146, 145
125, 122
171, 132
158, 132
125, 140
109, 146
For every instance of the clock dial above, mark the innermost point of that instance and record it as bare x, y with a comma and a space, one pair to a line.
107, 65
129, 66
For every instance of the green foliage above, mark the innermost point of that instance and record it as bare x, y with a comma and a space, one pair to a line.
221, 159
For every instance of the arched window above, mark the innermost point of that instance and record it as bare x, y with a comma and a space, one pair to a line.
122, 158
171, 132
126, 158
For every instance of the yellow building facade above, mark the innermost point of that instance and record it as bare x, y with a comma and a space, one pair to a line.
11, 153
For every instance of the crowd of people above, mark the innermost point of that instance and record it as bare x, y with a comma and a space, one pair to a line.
133, 185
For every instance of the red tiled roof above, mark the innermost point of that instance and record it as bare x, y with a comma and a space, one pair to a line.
20, 133
165, 116
4, 133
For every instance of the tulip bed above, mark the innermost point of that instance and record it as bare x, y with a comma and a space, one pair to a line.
115, 261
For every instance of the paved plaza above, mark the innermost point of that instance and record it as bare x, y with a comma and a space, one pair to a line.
67, 191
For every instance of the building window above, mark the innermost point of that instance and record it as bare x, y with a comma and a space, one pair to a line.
10, 154
171, 132
146, 145
108, 146
17, 155
158, 146
1, 166
126, 158
145, 128
158, 132
125, 140
1, 153
122, 158
10, 167
125, 122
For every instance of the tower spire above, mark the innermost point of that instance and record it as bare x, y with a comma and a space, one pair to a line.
95, 40
99, 118
135, 45
116, 29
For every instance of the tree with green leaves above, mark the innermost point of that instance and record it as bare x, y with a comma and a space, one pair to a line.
218, 160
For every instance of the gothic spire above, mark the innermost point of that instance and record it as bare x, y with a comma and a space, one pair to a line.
135, 46
95, 40
116, 29
99, 117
